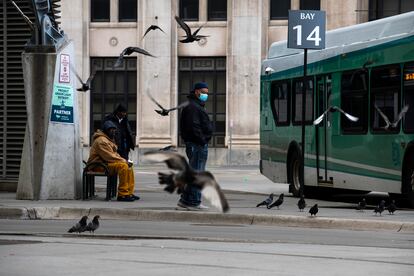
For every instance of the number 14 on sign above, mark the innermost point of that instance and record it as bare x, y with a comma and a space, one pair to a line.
313, 36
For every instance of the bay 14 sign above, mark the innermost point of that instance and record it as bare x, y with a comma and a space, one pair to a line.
306, 29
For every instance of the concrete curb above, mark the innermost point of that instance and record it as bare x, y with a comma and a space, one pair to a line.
205, 217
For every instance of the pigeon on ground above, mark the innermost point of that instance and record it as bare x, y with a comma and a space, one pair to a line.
314, 210
129, 50
380, 208
391, 208
301, 203
277, 203
394, 124
333, 109
267, 201
190, 37
163, 111
152, 28
93, 225
187, 176
85, 85
361, 205
79, 226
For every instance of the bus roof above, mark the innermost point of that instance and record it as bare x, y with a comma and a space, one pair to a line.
342, 40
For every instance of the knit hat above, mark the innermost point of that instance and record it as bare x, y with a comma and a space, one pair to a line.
107, 125
200, 85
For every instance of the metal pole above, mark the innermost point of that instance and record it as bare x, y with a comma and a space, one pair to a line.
303, 116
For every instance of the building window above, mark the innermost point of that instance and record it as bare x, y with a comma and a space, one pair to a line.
127, 10
189, 10
385, 95
213, 72
111, 86
297, 101
408, 98
279, 9
100, 11
217, 10
384, 8
280, 92
310, 4
354, 100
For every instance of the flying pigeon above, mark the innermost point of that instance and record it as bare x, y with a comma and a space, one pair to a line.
79, 226
391, 208
93, 225
129, 50
187, 176
25, 17
163, 111
191, 37
380, 208
387, 121
333, 109
301, 203
152, 28
277, 203
267, 201
85, 85
361, 205
314, 210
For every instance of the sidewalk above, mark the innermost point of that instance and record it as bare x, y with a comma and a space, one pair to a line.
244, 188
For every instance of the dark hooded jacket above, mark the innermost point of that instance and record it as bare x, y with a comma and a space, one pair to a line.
195, 125
124, 137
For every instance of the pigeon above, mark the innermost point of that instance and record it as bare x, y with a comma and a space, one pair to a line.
314, 210
79, 226
267, 201
361, 205
380, 208
93, 225
191, 37
85, 85
277, 203
301, 203
25, 17
187, 176
129, 50
333, 109
168, 148
163, 111
391, 208
152, 28
394, 124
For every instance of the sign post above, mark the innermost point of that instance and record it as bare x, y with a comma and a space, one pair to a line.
306, 30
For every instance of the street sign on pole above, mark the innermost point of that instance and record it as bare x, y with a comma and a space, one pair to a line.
306, 30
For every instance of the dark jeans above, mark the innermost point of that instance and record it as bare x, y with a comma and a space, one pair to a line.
197, 156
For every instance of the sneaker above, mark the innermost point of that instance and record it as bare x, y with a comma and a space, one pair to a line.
125, 198
202, 207
184, 207
135, 197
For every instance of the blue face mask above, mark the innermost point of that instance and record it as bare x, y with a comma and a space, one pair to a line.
203, 97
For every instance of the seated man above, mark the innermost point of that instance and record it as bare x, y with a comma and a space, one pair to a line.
105, 150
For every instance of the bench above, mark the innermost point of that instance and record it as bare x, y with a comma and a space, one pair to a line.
88, 180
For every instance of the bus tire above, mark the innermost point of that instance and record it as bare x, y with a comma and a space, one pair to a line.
295, 174
408, 180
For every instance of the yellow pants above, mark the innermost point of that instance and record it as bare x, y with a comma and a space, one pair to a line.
126, 177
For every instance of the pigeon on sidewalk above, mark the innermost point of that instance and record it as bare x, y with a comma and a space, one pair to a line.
267, 201
314, 210
380, 208
391, 208
361, 205
79, 226
93, 225
301, 203
277, 203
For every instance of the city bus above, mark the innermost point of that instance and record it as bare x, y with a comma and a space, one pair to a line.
365, 70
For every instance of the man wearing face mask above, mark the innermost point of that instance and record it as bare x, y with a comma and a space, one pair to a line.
104, 150
196, 130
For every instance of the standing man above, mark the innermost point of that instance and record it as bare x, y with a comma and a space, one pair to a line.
124, 138
104, 150
196, 131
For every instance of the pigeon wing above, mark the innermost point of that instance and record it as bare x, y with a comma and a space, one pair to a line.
72, 68
349, 116
387, 121
138, 50
184, 104
174, 160
183, 25
211, 191
320, 118
401, 115
89, 80
147, 31
152, 99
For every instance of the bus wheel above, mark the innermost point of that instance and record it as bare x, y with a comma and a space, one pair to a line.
295, 174
408, 182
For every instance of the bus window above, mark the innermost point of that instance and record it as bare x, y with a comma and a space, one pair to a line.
354, 100
280, 102
385, 95
297, 101
408, 98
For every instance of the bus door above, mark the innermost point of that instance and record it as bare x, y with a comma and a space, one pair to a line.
322, 130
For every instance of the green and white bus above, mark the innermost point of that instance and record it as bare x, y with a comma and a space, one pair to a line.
365, 70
